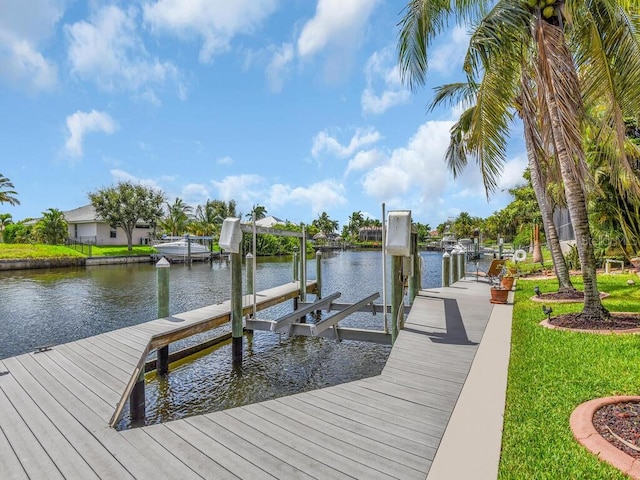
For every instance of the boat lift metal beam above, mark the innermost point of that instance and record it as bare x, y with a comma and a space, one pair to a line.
327, 328
287, 320
357, 334
327, 323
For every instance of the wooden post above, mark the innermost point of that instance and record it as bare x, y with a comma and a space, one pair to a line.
446, 269
236, 308
397, 291
162, 268
454, 265
250, 290
463, 264
137, 401
414, 280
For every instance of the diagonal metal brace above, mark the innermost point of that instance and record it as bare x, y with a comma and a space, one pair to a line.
286, 320
322, 325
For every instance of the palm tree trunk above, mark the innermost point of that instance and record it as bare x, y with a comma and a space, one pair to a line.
528, 114
559, 81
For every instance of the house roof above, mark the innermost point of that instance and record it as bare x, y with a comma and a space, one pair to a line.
86, 214
269, 221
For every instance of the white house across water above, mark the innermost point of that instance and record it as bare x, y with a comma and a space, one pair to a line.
87, 227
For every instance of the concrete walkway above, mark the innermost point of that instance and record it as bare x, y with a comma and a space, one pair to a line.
470, 446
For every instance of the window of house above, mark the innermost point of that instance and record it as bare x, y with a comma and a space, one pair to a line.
112, 234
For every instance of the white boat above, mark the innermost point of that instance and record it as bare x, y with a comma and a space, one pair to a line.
180, 249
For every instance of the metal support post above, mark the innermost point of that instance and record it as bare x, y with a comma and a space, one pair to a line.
236, 308
249, 271
162, 269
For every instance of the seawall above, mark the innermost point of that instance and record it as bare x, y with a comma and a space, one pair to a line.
33, 263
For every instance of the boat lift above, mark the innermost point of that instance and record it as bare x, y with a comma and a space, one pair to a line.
328, 327
400, 243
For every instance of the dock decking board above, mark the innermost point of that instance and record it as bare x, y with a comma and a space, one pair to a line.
83, 441
270, 464
55, 406
360, 449
320, 420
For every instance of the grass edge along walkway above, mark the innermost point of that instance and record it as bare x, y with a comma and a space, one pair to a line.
551, 372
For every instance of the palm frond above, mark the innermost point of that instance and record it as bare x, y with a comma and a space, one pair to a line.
453, 94
423, 20
558, 82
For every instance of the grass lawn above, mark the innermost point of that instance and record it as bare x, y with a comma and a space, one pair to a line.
551, 372
22, 251
109, 251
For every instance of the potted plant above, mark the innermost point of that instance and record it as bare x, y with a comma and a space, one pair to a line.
507, 280
499, 294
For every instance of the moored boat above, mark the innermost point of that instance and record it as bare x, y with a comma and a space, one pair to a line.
180, 249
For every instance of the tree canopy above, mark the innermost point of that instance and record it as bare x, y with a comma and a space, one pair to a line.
125, 204
52, 227
7, 192
518, 49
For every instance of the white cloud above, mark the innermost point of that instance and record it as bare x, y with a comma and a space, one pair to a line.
81, 123
336, 23
225, 161
512, 174
107, 50
320, 196
242, 188
279, 66
449, 54
418, 166
381, 72
195, 193
416, 176
123, 176
215, 21
337, 30
364, 159
23, 27
324, 142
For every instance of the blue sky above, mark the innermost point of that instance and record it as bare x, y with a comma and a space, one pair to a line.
294, 105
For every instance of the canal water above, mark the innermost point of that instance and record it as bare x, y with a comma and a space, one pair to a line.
41, 307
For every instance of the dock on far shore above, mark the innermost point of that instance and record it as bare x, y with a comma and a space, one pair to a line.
56, 406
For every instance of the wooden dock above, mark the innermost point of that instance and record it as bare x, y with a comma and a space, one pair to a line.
56, 406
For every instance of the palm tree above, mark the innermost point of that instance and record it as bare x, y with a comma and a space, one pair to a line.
259, 210
356, 222
464, 224
52, 228
5, 219
325, 224
177, 218
510, 39
463, 136
7, 194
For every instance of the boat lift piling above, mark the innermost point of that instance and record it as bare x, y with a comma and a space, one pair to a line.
250, 289
399, 242
230, 240
162, 269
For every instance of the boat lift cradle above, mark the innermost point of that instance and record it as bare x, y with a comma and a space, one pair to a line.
327, 327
